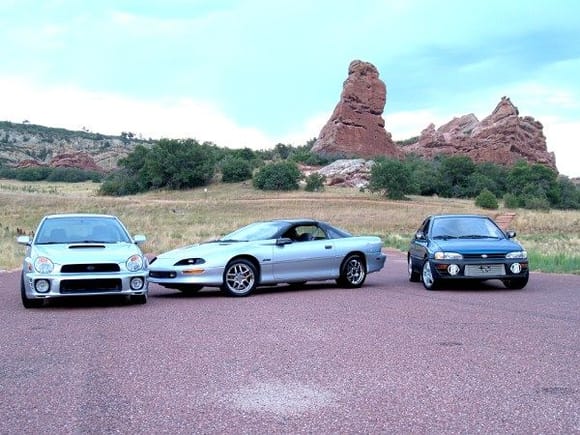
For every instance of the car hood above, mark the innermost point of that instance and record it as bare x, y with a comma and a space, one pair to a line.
475, 246
87, 252
200, 250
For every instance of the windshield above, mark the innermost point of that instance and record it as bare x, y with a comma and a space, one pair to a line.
465, 228
81, 230
255, 231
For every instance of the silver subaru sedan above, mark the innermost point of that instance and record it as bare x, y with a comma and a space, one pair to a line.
82, 255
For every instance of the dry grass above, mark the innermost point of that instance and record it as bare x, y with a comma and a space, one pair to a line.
175, 218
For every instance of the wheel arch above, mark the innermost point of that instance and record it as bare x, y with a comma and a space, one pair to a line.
252, 260
359, 253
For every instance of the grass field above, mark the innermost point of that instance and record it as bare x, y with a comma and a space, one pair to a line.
174, 218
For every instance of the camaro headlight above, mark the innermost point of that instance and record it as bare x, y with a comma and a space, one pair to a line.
43, 265
517, 254
134, 263
447, 256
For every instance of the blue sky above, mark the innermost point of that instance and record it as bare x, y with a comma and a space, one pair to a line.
256, 72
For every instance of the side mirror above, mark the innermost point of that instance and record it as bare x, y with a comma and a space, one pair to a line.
139, 239
23, 240
283, 241
510, 234
419, 235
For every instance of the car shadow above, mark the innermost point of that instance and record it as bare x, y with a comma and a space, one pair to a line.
212, 292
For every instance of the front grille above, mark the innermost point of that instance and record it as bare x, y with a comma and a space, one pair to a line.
482, 270
90, 268
90, 285
162, 275
483, 256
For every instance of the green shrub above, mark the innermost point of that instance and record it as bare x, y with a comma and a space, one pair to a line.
236, 169
511, 201
315, 183
392, 178
486, 199
277, 176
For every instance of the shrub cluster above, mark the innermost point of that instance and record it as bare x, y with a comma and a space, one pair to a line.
42, 173
533, 186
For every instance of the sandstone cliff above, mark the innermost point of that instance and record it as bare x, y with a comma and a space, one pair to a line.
503, 137
356, 127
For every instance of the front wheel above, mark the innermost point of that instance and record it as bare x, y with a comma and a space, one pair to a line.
189, 289
240, 278
515, 283
429, 280
414, 276
139, 299
26, 301
352, 272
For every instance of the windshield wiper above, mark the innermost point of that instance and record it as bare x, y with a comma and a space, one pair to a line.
477, 236
445, 237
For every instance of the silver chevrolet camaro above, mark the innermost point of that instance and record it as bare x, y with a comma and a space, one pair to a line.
82, 255
291, 251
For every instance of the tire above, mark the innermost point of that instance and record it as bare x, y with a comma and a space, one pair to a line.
139, 299
429, 280
353, 272
515, 283
240, 278
414, 276
26, 301
189, 289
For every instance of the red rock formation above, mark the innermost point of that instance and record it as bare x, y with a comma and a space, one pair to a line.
75, 160
503, 137
356, 127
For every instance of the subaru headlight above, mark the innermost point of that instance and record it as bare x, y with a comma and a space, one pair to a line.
447, 256
517, 254
43, 265
134, 263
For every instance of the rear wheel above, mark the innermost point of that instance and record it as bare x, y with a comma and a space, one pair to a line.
240, 278
352, 272
414, 276
26, 301
429, 280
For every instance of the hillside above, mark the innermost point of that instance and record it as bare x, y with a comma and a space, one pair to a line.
25, 145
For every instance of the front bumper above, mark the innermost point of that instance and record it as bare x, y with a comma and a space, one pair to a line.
60, 285
479, 270
179, 276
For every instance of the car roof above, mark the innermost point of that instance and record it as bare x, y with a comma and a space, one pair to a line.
78, 215
443, 216
295, 221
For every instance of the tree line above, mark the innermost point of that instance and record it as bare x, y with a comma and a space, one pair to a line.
185, 164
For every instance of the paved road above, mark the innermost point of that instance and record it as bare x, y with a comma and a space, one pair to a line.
388, 358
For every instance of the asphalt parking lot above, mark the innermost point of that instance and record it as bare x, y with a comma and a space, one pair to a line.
390, 357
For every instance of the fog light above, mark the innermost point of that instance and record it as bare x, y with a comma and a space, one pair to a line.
516, 268
42, 286
137, 283
453, 269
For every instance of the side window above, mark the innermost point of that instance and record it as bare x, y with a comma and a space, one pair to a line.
424, 228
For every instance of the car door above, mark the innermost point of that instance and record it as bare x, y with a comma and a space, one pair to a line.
418, 246
306, 258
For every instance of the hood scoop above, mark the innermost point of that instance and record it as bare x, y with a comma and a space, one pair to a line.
87, 245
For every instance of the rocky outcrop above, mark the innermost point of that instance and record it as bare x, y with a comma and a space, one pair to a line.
503, 137
75, 160
29, 145
348, 173
356, 127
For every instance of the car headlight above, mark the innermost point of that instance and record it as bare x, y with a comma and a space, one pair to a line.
517, 254
447, 256
190, 262
43, 265
134, 263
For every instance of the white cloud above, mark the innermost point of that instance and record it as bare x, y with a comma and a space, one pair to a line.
74, 108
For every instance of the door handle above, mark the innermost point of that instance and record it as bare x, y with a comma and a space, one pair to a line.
327, 246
